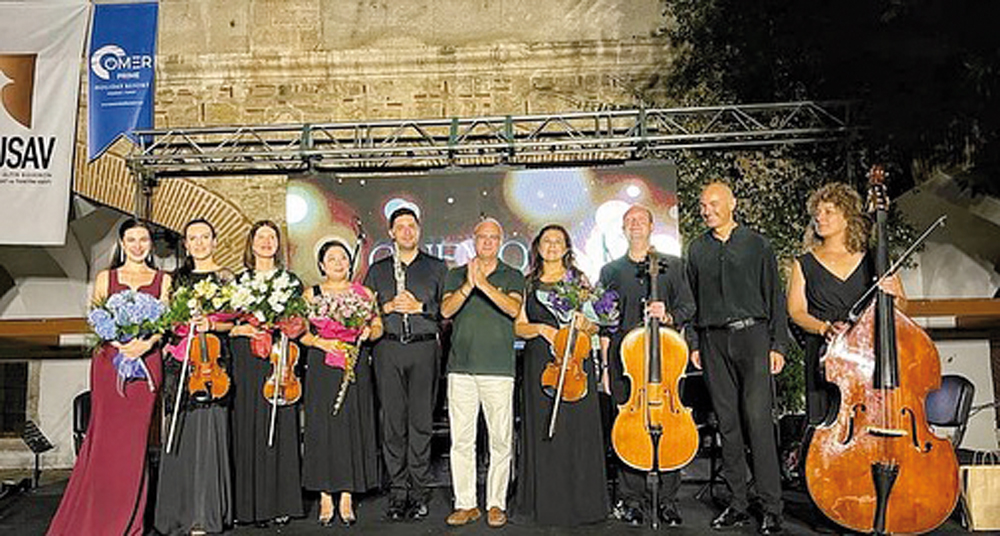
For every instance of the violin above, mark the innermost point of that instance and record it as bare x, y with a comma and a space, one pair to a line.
283, 387
654, 431
877, 467
208, 380
563, 377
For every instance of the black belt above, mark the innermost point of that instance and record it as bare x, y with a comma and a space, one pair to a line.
412, 338
743, 323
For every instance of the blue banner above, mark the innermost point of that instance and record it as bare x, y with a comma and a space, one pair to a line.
122, 64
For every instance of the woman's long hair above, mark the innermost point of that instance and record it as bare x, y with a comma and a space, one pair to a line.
848, 201
536, 263
248, 256
118, 259
187, 265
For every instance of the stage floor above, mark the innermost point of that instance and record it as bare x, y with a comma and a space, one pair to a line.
29, 513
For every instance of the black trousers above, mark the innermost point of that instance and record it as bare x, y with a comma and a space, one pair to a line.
737, 371
407, 377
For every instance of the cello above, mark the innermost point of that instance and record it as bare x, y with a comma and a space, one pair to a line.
877, 467
654, 431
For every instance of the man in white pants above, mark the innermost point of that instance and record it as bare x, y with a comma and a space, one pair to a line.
483, 297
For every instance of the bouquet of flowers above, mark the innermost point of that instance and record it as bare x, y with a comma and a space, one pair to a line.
572, 293
269, 300
124, 316
342, 317
206, 298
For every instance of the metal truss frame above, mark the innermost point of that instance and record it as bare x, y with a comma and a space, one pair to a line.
412, 145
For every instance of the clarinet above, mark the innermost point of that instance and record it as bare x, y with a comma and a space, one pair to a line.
400, 273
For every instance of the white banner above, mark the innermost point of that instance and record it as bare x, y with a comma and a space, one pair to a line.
41, 47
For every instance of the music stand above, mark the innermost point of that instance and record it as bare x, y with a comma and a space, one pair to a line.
38, 443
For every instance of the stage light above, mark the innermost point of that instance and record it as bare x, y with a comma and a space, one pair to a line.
549, 195
633, 191
451, 200
296, 208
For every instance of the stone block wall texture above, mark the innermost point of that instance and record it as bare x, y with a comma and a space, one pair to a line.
251, 62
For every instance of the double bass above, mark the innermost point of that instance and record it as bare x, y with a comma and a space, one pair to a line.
877, 467
654, 431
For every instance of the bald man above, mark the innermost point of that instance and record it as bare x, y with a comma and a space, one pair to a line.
483, 297
740, 341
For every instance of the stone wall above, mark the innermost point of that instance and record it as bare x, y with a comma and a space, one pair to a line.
227, 62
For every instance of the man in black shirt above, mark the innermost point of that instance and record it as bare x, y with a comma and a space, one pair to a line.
409, 286
630, 280
741, 336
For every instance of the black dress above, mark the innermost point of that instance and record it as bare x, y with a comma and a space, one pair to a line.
267, 480
560, 481
195, 484
829, 299
340, 451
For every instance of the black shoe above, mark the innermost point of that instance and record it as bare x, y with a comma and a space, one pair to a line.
627, 513
262, 524
670, 516
418, 510
396, 510
730, 518
771, 524
282, 520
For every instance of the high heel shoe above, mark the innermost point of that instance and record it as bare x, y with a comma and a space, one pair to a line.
325, 521
347, 521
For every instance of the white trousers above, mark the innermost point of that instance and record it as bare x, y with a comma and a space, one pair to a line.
466, 393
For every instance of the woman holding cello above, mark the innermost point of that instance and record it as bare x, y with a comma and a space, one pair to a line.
194, 491
561, 479
267, 484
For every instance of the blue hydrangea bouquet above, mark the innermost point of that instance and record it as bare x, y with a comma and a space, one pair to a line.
124, 316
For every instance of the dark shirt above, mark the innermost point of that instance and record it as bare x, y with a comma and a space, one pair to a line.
737, 280
424, 279
623, 276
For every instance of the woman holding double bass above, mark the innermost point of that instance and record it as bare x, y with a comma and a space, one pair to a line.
561, 479
877, 467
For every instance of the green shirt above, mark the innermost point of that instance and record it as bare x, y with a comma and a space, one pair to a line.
482, 335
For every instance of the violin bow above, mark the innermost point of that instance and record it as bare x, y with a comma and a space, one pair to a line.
567, 352
180, 385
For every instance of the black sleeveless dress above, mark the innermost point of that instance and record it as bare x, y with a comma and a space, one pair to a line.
829, 299
560, 481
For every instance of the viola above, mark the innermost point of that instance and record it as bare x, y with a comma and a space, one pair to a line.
877, 467
654, 431
283, 387
208, 380
563, 377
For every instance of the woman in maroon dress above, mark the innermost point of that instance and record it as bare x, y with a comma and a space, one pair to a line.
107, 490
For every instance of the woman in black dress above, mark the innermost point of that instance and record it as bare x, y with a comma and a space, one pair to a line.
194, 493
340, 453
561, 481
267, 485
834, 273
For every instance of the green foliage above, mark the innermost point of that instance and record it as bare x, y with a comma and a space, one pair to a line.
926, 72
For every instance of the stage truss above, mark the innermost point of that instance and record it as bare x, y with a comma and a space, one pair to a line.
410, 145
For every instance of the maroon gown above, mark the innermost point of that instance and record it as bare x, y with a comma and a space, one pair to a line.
107, 490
